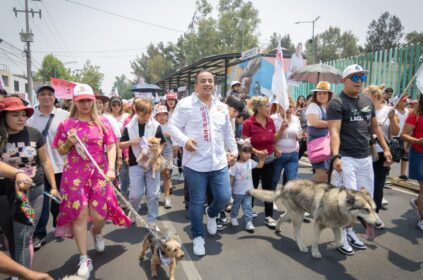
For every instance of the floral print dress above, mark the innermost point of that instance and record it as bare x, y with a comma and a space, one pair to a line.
82, 184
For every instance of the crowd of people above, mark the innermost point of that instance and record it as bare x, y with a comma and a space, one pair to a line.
223, 148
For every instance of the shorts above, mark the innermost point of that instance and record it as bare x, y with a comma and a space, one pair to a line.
168, 162
416, 165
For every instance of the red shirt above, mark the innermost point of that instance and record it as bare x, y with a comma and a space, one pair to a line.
262, 138
417, 131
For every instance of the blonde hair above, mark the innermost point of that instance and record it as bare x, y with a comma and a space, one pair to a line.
374, 91
143, 106
258, 101
93, 114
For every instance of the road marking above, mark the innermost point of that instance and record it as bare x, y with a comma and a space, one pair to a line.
187, 263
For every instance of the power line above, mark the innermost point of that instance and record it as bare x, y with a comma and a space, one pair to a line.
125, 17
95, 51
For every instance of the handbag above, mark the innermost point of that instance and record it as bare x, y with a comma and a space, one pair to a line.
24, 213
318, 149
395, 148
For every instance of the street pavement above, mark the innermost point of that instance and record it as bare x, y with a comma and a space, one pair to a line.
396, 252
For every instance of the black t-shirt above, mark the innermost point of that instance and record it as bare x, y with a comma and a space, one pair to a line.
141, 128
21, 152
356, 115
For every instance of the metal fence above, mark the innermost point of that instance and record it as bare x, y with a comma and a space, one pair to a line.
393, 67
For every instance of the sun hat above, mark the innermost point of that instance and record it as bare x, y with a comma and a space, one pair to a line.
101, 97
322, 86
235, 83
160, 109
171, 96
353, 69
116, 99
83, 91
12, 103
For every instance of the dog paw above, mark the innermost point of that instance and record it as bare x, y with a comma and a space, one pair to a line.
316, 254
333, 245
303, 248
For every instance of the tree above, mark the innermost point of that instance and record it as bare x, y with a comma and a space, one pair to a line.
384, 33
414, 38
332, 44
286, 42
90, 75
51, 67
124, 86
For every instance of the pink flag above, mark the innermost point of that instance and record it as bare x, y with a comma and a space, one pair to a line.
279, 85
62, 89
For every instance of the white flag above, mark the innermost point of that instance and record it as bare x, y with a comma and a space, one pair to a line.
115, 92
279, 85
419, 78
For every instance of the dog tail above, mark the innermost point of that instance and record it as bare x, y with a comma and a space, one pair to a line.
265, 195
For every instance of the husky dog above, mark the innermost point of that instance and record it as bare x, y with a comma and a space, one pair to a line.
330, 206
165, 249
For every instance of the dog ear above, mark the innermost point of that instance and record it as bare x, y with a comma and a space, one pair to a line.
350, 199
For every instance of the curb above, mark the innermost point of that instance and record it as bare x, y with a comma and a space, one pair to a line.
409, 185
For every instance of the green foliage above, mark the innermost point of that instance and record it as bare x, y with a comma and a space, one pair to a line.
51, 67
234, 30
124, 86
90, 75
332, 44
414, 38
286, 42
384, 33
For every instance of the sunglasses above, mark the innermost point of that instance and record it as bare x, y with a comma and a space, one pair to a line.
357, 78
117, 104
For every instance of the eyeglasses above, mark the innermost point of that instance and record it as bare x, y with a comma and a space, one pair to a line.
357, 78
117, 104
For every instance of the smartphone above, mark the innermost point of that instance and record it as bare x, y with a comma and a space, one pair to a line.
54, 198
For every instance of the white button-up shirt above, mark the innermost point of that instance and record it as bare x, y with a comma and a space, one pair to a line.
39, 121
209, 127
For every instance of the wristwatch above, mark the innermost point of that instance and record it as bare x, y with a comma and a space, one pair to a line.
337, 156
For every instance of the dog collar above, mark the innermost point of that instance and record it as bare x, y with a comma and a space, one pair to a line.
164, 260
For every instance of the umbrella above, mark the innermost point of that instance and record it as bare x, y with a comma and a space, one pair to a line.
315, 73
145, 87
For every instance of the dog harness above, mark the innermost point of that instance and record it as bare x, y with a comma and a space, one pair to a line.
163, 259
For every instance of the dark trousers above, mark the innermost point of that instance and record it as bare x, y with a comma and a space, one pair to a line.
380, 172
41, 230
7, 204
265, 175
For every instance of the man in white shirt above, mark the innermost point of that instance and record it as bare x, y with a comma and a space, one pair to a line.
201, 124
46, 119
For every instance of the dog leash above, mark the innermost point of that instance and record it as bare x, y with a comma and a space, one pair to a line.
125, 201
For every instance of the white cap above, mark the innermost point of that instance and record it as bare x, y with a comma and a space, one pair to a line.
83, 91
160, 109
353, 69
235, 83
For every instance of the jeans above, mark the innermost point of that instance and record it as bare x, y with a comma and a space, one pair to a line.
287, 162
247, 208
24, 250
142, 183
218, 181
41, 230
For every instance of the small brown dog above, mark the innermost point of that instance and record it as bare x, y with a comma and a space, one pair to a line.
165, 249
150, 157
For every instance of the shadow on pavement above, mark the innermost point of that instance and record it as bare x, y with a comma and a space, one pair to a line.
131, 235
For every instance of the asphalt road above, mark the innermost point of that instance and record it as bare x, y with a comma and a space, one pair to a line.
396, 253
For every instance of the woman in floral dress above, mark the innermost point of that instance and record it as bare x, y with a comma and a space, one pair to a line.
85, 193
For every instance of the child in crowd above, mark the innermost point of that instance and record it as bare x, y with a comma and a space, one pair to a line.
242, 182
161, 116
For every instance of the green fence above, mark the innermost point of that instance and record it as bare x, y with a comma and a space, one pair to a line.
393, 67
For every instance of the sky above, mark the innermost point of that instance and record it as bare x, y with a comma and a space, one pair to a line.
75, 33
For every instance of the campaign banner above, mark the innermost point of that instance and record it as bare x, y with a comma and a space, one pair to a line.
62, 89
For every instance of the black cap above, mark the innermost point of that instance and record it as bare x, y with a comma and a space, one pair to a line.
45, 87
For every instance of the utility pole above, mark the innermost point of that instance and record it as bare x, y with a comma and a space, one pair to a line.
28, 37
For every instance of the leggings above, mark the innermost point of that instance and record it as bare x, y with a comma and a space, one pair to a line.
380, 172
264, 174
24, 250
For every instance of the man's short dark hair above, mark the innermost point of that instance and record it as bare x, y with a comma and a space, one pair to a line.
235, 102
3, 92
389, 89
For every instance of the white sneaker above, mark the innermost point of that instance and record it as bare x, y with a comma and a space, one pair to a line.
198, 245
414, 205
420, 225
167, 203
98, 241
384, 202
85, 267
234, 222
354, 240
275, 207
270, 222
250, 227
211, 224
346, 247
